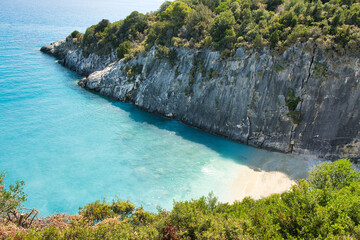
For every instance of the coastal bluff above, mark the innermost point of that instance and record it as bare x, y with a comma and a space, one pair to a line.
304, 100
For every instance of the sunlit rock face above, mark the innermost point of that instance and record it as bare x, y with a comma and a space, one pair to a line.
71, 56
304, 100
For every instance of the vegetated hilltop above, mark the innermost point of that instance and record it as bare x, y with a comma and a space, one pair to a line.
227, 25
281, 75
325, 206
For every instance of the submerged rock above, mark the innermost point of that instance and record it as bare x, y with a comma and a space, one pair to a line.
303, 101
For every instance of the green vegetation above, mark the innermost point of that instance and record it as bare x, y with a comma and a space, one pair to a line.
133, 71
99, 211
227, 24
320, 69
75, 34
12, 197
292, 102
103, 37
124, 48
213, 73
325, 206
278, 68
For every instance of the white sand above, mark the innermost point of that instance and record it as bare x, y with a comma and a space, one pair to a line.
264, 176
258, 184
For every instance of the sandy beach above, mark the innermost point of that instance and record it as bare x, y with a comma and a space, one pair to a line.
258, 184
264, 177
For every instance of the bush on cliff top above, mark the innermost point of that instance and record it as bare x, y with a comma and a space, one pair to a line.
327, 205
228, 24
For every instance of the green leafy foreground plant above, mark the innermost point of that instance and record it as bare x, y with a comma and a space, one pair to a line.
325, 206
12, 197
98, 211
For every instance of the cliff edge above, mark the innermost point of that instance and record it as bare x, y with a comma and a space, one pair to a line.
304, 100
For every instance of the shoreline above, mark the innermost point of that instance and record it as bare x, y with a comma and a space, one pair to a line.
259, 184
262, 176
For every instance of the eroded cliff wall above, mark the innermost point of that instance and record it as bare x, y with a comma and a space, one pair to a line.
304, 100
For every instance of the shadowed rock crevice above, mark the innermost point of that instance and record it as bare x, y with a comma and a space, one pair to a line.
292, 135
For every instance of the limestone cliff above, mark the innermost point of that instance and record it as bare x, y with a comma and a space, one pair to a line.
71, 56
303, 101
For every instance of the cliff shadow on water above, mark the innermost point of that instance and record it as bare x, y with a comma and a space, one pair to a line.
258, 160
220, 109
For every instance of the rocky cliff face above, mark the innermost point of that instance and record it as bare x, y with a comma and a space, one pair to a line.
303, 101
71, 56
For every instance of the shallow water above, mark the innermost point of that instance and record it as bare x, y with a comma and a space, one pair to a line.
71, 146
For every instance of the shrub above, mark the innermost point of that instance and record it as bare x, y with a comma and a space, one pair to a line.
141, 217
343, 36
197, 23
226, 53
272, 5
320, 69
172, 57
124, 48
288, 19
160, 33
132, 27
162, 51
169, 233
124, 208
176, 13
222, 22
12, 197
74, 34
291, 100
258, 42
165, 52
334, 176
274, 38
100, 27
295, 116
96, 211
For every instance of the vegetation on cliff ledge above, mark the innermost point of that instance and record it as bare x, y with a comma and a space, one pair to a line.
326, 205
227, 24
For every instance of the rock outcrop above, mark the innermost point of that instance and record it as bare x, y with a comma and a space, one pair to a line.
304, 100
71, 56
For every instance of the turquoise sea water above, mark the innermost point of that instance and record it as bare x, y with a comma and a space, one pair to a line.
72, 147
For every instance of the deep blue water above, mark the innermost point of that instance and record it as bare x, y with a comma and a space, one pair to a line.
72, 147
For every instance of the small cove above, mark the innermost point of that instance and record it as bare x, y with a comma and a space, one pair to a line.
72, 147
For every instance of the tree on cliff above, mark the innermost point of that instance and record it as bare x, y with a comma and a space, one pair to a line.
225, 25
